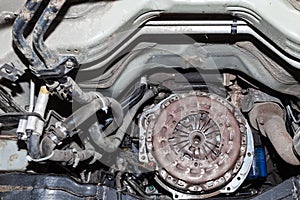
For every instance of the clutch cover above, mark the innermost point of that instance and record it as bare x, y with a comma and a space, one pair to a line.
199, 142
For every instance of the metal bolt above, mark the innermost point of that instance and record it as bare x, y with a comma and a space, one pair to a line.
8, 17
8, 71
69, 64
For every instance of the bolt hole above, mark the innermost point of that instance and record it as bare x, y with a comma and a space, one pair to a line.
249, 154
197, 139
176, 196
228, 188
238, 178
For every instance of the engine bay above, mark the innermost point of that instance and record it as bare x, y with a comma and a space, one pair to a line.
149, 100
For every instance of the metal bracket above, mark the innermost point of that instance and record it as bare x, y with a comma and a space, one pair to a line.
256, 96
10, 72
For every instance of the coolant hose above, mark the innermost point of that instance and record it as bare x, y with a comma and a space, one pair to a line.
83, 113
33, 145
111, 143
86, 111
268, 118
80, 116
118, 116
79, 95
68, 155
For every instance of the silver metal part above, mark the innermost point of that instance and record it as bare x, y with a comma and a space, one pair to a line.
22, 128
23, 122
290, 112
31, 97
242, 174
11, 158
143, 125
40, 159
34, 124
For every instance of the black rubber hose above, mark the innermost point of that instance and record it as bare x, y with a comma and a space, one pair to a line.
94, 101
72, 122
85, 98
33, 146
118, 115
86, 111
82, 114
21, 22
80, 96
47, 145
111, 143
69, 155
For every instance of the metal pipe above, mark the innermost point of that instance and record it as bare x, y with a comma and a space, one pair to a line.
268, 118
136, 95
35, 125
40, 108
21, 130
250, 31
192, 27
53, 67
290, 112
281, 140
31, 98
42, 25
19, 26
296, 144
